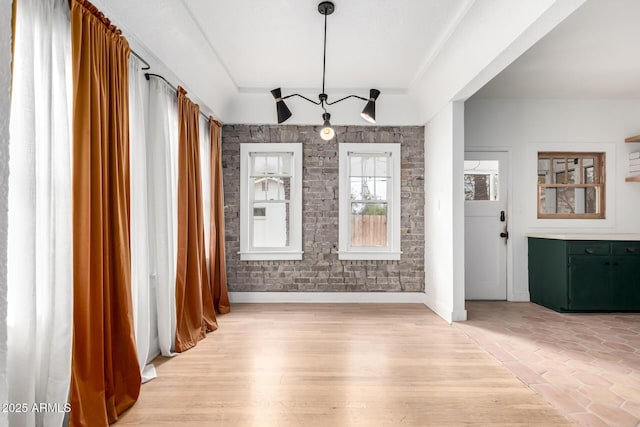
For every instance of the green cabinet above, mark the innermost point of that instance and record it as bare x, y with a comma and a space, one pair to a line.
576, 275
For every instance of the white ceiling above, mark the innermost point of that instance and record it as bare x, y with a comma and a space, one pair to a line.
421, 54
594, 53
370, 43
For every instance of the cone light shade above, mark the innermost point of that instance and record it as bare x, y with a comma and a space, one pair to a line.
369, 112
281, 108
327, 133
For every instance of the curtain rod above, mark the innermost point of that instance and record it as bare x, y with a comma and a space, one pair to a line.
146, 64
175, 89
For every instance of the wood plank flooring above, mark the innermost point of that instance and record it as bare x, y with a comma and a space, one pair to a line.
336, 365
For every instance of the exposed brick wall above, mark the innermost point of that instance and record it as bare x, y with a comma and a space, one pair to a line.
320, 269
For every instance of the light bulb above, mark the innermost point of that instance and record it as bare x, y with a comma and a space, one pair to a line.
327, 133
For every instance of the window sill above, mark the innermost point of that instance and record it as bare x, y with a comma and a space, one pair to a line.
270, 255
369, 255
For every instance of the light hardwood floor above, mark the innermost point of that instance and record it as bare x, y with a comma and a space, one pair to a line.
336, 365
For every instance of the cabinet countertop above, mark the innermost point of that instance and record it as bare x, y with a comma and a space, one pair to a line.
584, 236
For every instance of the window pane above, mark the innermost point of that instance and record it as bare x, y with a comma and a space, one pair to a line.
565, 200
566, 170
380, 189
271, 164
284, 188
558, 166
481, 179
355, 166
569, 200
259, 164
272, 228
365, 188
284, 164
368, 166
544, 171
261, 188
356, 186
381, 166
368, 224
267, 188
588, 174
476, 187
591, 200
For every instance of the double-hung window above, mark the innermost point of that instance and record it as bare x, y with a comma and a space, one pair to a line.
369, 227
271, 201
571, 185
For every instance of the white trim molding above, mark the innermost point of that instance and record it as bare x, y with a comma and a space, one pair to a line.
293, 251
328, 297
445, 311
392, 198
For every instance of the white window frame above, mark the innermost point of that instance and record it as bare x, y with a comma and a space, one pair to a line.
392, 250
294, 250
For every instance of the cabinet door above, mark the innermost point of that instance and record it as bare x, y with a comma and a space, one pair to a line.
589, 282
625, 282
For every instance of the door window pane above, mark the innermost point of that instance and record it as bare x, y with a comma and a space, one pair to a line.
481, 180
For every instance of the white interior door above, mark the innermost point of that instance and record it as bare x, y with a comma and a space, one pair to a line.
485, 228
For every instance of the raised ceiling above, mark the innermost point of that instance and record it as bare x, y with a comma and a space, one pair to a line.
370, 43
421, 54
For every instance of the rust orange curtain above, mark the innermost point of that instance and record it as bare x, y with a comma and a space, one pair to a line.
105, 377
195, 314
217, 259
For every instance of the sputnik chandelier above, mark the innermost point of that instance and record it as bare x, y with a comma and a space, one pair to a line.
327, 132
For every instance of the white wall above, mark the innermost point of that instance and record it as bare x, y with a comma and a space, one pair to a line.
444, 213
5, 82
529, 126
491, 35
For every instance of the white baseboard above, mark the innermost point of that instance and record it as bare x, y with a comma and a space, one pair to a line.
520, 297
459, 315
442, 310
328, 297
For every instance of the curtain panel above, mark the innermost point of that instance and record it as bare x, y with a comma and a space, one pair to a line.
205, 182
217, 259
39, 256
140, 281
105, 376
194, 303
162, 162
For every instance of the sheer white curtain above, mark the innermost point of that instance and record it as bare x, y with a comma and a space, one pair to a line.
39, 264
140, 281
205, 174
162, 163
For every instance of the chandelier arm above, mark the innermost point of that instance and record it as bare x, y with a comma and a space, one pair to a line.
347, 97
303, 97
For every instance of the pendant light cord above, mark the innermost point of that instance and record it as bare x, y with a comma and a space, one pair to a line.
324, 59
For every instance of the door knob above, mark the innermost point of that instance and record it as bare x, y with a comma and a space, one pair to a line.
504, 234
